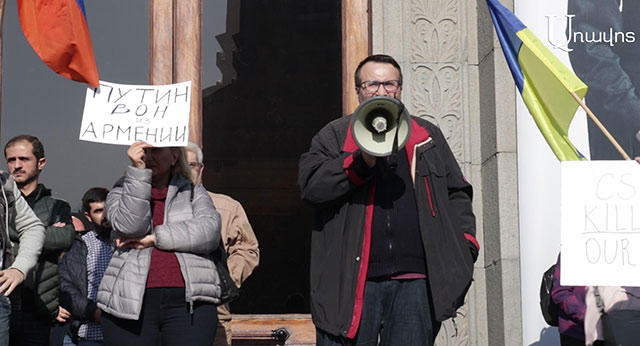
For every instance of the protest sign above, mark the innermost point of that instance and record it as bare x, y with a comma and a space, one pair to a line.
124, 114
600, 221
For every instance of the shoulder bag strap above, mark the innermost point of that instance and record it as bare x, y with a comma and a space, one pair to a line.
599, 301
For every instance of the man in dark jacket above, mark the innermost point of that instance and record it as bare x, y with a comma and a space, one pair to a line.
81, 270
35, 304
392, 250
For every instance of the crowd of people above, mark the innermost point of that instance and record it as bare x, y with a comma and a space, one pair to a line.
392, 246
134, 266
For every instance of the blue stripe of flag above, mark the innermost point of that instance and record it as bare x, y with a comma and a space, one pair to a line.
81, 5
507, 25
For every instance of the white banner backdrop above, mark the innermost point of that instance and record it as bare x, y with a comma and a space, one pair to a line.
597, 40
539, 178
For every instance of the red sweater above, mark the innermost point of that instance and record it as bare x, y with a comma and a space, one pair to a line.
165, 269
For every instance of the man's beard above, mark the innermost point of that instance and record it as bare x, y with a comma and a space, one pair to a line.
103, 231
27, 180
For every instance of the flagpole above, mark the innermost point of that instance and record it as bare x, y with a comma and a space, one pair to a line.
602, 128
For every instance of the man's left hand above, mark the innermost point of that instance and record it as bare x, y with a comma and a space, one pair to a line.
148, 240
63, 314
97, 315
9, 280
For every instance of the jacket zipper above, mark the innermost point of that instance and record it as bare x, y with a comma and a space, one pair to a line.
179, 257
389, 234
187, 282
426, 183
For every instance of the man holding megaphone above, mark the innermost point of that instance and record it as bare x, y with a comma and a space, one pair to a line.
393, 240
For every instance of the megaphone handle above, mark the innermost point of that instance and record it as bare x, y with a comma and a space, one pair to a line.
393, 158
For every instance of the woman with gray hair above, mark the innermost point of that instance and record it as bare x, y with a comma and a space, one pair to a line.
161, 285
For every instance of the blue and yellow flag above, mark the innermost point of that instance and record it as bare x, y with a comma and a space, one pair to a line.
545, 83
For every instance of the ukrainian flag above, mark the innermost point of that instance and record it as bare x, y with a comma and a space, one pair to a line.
57, 30
544, 82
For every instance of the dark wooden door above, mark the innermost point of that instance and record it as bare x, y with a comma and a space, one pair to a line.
281, 83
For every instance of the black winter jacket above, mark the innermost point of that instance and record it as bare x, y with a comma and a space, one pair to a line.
43, 284
74, 284
332, 176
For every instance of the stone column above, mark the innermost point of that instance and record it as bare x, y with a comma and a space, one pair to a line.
355, 47
175, 51
455, 76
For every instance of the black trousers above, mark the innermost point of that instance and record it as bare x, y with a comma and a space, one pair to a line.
165, 320
29, 329
566, 340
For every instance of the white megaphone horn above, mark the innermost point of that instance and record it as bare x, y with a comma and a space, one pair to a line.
381, 126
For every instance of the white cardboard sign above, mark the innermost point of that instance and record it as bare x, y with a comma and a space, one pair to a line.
124, 114
600, 221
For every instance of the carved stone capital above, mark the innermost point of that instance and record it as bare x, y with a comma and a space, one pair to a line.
435, 30
436, 95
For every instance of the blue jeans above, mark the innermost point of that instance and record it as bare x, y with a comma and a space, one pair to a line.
5, 318
395, 312
27, 328
68, 341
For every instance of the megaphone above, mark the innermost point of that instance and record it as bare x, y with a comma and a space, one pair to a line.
379, 124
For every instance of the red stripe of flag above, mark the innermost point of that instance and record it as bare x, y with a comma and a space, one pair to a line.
58, 32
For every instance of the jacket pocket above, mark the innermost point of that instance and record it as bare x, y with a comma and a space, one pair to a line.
201, 277
432, 171
429, 196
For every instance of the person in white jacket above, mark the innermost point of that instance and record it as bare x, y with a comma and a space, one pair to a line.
614, 298
161, 286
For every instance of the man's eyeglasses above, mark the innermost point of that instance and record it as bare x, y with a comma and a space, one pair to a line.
372, 86
194, 164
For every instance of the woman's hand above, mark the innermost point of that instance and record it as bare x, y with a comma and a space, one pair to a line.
148, 240
136, 153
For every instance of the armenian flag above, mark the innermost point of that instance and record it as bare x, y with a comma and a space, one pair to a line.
544, 82
58, 32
